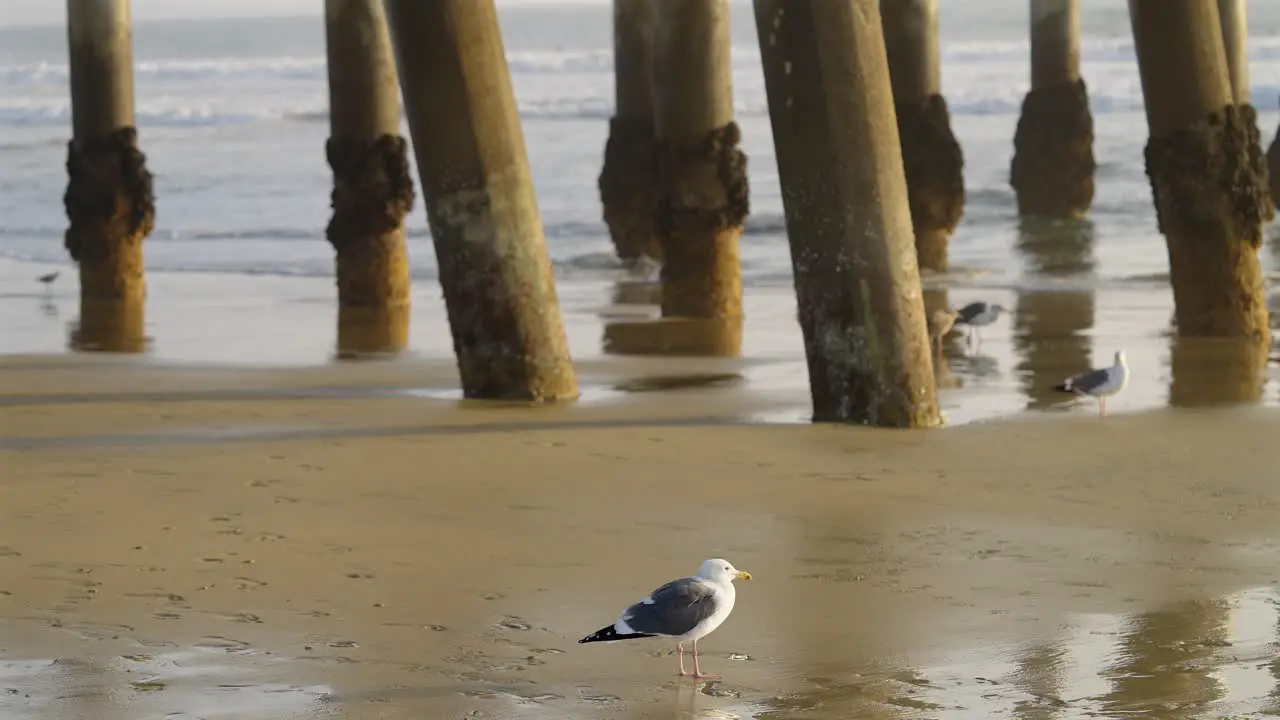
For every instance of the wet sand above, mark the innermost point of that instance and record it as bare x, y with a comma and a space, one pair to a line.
269, 544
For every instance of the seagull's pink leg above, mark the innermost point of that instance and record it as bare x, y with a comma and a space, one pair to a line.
680, 651
697, 671
1102, 406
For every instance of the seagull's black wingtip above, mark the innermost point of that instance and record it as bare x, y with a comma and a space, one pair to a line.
608, 633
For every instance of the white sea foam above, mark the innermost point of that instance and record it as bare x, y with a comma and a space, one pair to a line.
980, 78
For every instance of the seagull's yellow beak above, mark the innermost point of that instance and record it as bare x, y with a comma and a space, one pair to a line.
744, 575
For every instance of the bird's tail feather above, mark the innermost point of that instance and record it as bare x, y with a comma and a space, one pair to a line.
609, 633
1063, 387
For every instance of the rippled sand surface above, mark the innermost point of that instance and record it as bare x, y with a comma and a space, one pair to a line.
193, 543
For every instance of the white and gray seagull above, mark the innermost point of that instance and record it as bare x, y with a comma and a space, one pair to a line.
978, 315
684, 610
1100, 383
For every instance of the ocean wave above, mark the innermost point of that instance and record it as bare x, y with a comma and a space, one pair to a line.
556, 62
56, 113
980, 79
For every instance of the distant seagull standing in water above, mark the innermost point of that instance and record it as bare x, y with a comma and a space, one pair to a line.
684, 610
48, 279
1101, 383
977, 315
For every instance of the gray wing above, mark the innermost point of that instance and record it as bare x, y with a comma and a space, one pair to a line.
1090, 381
967, 313
673, 609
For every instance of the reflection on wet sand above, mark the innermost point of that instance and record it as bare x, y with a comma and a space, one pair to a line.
1039, 674
1051, 337
1051, 324
114, 326
1001, 569
674, 337
1057, 248
665, 336
372, 332
1166, 662
162, 682
1207, 372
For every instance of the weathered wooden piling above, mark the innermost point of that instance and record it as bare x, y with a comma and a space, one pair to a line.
109, 200
1053, 166
372, 186
1235, 40
495, 269
703, 198
627, 183
848, 220
1207, 171
931, 155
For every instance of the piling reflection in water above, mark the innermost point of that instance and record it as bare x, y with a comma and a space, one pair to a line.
1052, 340
1051, 325
1057, 248
114, 326
1167, 661
1039, 674
365, 332
669, 336
842, 672
1205, 372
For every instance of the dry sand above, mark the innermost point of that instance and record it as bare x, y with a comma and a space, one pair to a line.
192, 543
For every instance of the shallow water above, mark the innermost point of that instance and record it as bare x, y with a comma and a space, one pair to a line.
240, 241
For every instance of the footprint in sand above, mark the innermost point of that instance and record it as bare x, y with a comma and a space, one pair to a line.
511, 622
218, 642
94, 631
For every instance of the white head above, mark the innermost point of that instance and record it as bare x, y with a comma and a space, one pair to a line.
1120, 359
721, 571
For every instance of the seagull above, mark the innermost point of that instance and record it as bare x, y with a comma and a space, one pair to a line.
685, 610
1100, 383
978, 314
940, 323
49, 278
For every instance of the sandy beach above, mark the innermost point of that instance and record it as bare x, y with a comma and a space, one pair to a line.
244, 519
263, 544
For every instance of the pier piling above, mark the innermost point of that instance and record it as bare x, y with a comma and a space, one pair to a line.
1207, 170
703, 198
109, 201
627, 183
1053, 165
1235, 40
845, 195
931, 155
495, 268
372, 185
